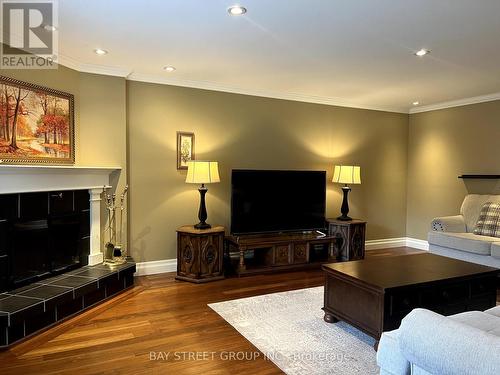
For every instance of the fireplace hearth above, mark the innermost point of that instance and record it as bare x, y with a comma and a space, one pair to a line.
27, 310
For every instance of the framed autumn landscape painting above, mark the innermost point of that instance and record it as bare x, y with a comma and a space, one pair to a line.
36, 124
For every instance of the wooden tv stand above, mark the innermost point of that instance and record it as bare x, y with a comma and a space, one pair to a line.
261, 253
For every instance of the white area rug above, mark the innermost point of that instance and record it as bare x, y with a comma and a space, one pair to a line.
289, 329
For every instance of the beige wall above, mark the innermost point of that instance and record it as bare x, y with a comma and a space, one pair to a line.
409, 173
251, 132
444, 144
100, 114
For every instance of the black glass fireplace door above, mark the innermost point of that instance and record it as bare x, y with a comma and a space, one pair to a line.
4, 257
29, 258
42, 234
65, 234
44, 247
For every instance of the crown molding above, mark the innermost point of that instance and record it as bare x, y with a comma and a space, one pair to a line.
204, 85
105, 70
152, 78
74, 64
158, 79
457, 103
68, 62
93, 68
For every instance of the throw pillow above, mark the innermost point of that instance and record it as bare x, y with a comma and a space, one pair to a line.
488, 223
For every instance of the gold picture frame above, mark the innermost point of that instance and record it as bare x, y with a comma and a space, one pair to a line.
185, 149
37, 124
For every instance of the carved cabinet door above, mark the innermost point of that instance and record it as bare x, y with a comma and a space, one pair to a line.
281, 255
341, 246
350, 239
300, 253
357, 242
210, 255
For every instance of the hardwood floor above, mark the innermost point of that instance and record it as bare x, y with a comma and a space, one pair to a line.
163, 315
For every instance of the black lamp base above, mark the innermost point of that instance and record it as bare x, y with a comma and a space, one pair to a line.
202, 212
345, 205
344, 218
201, 225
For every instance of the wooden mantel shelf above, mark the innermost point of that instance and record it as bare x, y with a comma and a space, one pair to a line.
480, 176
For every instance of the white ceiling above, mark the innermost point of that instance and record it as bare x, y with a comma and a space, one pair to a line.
353, 52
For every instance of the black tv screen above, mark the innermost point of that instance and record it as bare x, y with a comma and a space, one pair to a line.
277, 201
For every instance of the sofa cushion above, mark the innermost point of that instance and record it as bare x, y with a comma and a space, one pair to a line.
471, 207
488, 223
389, 357
416, 370
440, 345
468, 242
481, 320
495, 250
494, 311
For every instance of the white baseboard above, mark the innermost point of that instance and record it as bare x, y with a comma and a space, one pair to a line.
385, 243
157, 266
397, 242
417, 244
170, 265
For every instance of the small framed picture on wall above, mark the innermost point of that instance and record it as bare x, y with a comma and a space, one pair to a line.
185, 149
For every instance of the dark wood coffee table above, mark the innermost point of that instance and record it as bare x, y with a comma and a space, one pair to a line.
375, 294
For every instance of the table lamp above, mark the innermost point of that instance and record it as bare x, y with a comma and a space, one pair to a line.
202, 172
346, 174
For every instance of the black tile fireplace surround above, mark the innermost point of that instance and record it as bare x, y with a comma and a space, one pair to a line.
42, 235
44, 273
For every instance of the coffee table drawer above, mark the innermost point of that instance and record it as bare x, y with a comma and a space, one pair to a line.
483, 286
454, 293
402, 303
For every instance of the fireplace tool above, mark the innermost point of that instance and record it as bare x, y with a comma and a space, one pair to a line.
118, 251
114, 252
110, 245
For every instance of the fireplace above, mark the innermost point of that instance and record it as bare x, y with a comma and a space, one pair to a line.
50, 220
50, 240
43, 234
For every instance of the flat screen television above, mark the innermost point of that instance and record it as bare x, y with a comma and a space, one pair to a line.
277, 201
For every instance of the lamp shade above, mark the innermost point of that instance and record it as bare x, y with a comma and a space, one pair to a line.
347, 174
202, 172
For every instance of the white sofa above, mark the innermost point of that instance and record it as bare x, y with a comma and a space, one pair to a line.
452, 236
429, 343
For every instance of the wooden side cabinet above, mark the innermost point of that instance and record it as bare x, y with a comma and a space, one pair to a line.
200, 254
350, 244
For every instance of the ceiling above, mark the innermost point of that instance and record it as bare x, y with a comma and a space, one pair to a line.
350, 52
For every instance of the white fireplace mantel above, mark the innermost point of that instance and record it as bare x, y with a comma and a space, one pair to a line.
34, 178
30, 178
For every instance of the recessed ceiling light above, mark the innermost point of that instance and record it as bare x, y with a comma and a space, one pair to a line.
415, 103
237, 10
169, 68
100, 52
422, 52
50, 28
